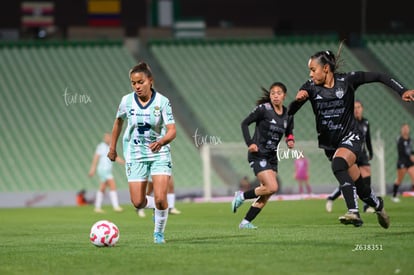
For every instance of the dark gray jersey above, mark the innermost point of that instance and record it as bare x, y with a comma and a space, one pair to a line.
334, 107
269, 130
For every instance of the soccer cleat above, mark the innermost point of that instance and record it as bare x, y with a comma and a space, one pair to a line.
328, 205
351, 218
383, 218
248, 225
118, 209
395, 199
99, 210
141, 212
159, 237
174, 211
237, 201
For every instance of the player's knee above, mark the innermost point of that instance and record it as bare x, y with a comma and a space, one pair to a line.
272, 189
161, 204
339, 165
139, 203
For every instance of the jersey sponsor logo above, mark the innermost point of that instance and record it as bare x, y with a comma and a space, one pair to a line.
132, 113
143, 127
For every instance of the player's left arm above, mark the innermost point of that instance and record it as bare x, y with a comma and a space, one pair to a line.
290, 138
167, 138
93, 165
393, 83
170, 134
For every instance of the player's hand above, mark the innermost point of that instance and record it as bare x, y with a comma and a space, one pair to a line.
155, 146
408, 95
302, 95
91, 173
290, 144
253, 148
112, 155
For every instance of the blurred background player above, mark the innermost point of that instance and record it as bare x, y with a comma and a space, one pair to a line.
363, 159
302, 175
405, 162
103, 166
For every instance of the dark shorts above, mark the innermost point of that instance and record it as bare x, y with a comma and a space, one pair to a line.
352, 141
404, 164
363, 159
260, 163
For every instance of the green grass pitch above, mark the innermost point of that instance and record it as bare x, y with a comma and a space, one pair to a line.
294, 237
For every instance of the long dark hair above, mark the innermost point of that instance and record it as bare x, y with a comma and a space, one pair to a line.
266, 93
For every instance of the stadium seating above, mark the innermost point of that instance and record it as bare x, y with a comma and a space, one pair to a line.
220, 81
58, 100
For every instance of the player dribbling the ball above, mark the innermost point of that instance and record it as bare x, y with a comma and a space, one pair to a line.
150, 129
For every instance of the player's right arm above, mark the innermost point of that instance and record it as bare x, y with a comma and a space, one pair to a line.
254, 116
93, 165
300, 99
116, 131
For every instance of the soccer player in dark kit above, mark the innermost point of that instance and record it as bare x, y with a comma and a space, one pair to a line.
405, 160
272, 123
332, 96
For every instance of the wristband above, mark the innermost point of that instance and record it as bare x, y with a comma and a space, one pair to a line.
290, 137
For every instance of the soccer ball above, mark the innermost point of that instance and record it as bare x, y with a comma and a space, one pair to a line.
104, 233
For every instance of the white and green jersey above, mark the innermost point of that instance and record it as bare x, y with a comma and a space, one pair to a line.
104, 163
145, 124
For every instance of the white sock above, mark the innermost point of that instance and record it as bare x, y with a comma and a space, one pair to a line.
113, 196
171, 200
160, 220
99, 199
150, 202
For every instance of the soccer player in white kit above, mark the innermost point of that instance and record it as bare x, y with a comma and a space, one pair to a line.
102, 166
146, 145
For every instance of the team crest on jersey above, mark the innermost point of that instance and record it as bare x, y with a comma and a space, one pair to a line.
339, 93
157, 111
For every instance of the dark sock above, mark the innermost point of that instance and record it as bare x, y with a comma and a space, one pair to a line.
395, 190
250, 194
340, 170
365, 193
367, 181
252, 213
335, 194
